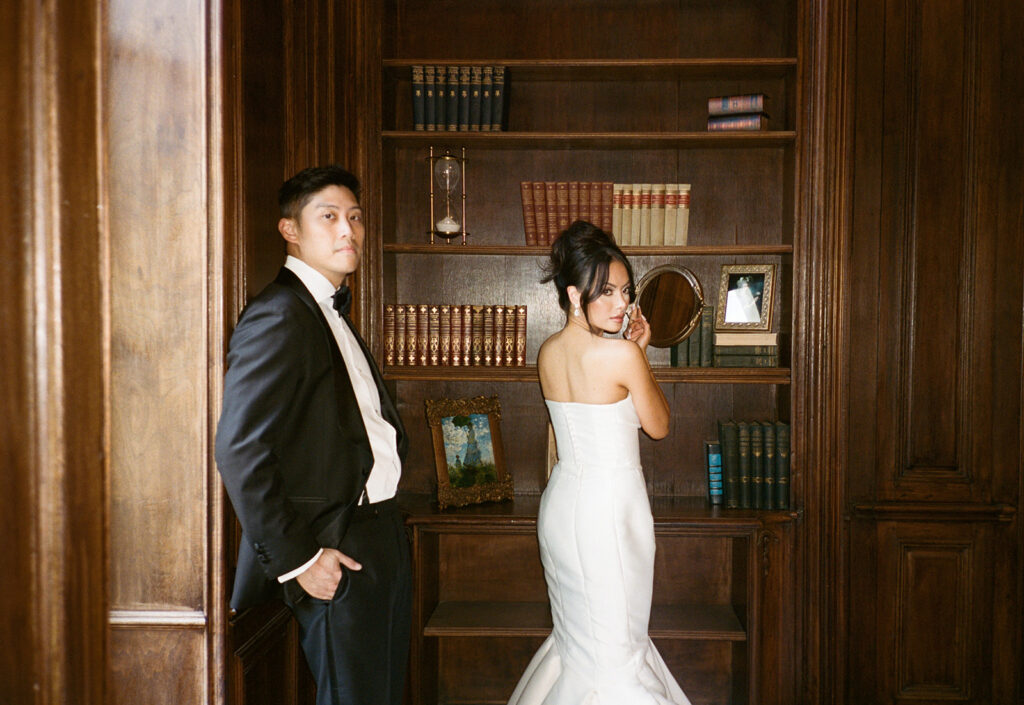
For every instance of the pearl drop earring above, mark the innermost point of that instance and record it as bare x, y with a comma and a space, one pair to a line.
576, 310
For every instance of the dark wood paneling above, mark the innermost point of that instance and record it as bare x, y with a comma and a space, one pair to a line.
652, 28
918, 243
157, 185
54, 590
927, 612
18, 512
933, 468
266, 664
282, 115
156, 182
166, 666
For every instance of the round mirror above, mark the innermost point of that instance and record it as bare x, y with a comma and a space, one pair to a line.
671, 298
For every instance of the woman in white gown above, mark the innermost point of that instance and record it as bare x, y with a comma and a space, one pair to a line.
595, 527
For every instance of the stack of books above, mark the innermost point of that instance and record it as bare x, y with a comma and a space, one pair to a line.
698, 348
753, 462
458, 98
651, 214
461, 335
549, 207
746, 349
738, 112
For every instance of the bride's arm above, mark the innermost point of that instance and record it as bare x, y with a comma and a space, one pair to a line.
648, 399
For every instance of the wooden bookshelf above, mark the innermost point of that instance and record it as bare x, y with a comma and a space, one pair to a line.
627, 104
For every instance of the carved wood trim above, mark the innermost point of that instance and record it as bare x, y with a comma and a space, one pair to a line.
934, 511
188, 619
820, 384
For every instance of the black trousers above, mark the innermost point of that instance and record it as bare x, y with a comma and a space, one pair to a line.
357, 644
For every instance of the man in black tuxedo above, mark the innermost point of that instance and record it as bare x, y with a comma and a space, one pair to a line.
310, 447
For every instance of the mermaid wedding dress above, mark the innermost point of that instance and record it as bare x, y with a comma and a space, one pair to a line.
597, 547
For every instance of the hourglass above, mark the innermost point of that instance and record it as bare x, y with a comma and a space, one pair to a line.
447, 183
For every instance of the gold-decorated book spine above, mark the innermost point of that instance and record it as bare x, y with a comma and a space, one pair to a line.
434, 335
456, 335
411, 357
445, 334
488, 336
400, 334
509, 342
477, 335
520, 336
467, 335
389, 334
499, 336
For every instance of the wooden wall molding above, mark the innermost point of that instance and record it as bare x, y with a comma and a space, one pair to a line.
53, 491
932, 511
120, 619
819, 353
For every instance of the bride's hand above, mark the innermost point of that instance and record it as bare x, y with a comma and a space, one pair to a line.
639, 330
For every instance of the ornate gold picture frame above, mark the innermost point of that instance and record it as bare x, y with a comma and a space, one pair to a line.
746, 295
468, 451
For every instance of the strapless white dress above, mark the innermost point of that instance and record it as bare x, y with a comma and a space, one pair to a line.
597, 547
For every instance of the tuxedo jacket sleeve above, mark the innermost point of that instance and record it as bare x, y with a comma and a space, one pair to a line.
291, 445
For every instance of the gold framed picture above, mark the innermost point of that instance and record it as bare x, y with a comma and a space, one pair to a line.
468, 452
745, 297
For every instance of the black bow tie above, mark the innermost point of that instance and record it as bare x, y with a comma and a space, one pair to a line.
342, 300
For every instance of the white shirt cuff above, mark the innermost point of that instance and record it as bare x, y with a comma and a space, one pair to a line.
301, 569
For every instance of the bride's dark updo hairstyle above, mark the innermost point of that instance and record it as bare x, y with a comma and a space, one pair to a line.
580, 257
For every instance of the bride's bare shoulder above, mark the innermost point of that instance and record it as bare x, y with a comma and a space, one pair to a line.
618, 349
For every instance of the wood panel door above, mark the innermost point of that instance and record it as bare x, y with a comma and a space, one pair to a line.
932, 477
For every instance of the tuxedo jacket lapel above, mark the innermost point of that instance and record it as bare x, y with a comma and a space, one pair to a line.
350, 420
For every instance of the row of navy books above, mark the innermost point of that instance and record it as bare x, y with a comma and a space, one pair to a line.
650, 214
455, 335
698, 348
549, 207
738, 112
705, 347
748, 466
458, 98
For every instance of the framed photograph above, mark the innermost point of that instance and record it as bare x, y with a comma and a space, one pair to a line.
745, 295
468, 452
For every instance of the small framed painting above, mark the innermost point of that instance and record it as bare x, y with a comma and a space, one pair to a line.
468, 451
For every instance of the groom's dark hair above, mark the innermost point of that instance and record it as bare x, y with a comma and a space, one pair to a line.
297, 191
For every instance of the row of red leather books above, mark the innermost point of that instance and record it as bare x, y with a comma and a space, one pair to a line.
549, 207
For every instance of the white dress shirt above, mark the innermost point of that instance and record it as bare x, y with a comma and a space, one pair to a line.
382, 483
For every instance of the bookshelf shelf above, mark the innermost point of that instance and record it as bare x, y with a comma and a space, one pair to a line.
544, 250
592, 140
710, 622
698, 375
614, 70
670, 515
